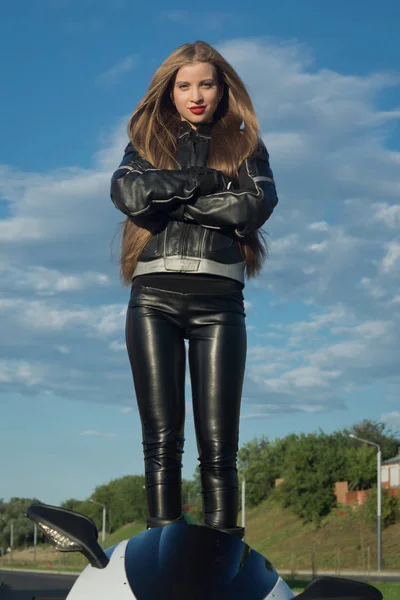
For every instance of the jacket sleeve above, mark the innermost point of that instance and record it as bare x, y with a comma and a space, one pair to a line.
138, 189
245, 206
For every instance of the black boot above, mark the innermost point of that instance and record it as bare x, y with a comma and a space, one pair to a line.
155, 522
235, 531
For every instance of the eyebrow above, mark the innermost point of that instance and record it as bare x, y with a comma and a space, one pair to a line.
202, 81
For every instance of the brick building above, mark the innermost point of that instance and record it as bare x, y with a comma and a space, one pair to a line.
391, 475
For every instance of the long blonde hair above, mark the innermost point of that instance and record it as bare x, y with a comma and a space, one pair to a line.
153, 130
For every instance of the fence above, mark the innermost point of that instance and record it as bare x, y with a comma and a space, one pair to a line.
338, 560
45, 557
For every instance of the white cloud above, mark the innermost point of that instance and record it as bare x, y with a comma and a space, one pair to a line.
318, 321
63, 349
117, 346
267, 411
392, 256
321, 247
307, 377
46, 316
122, 67
98, 434
392, 419
21, 372
387, 214
48, 282
320, 226
374, 289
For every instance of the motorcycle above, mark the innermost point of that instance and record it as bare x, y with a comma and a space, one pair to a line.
177, 562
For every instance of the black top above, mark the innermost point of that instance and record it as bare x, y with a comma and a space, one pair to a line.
187, 283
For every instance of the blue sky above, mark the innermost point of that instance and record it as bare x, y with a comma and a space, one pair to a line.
323, 317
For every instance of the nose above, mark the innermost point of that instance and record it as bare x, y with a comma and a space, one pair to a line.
197, 95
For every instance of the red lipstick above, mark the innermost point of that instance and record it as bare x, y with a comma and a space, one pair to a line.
197, 110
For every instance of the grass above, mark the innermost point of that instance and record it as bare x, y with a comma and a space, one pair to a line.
125, 533
343, 541
390, 591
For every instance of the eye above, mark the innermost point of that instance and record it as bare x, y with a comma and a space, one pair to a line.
182, 86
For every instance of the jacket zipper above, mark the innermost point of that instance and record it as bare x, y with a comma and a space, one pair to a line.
185, 225
184, 238
202, 242
165, 240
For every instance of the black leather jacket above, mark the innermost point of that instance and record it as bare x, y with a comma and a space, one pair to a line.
196, 214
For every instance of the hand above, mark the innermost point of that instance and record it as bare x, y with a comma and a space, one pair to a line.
210, 180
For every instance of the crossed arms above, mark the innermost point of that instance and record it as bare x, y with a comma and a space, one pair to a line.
197, 195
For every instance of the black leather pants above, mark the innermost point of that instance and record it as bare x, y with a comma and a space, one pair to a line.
158, 322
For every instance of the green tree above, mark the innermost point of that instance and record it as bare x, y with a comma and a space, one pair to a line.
14, 512
196, 512
253, 466
310, 470
390, 509
72, 504
361, 467
190, 491
260, 463
125, 499
379, 433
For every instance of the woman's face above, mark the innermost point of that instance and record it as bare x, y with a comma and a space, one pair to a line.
196, 93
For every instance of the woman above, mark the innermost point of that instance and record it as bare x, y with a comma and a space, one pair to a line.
196, 186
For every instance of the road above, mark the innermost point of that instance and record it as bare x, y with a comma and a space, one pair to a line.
20, 585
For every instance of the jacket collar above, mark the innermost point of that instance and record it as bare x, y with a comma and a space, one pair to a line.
204, 130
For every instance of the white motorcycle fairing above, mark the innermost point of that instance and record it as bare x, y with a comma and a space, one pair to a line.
281, 591
107, 583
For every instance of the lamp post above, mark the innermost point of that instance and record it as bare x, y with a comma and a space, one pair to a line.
103, 532
34, 541
11, 537
2, 519
243, 502
378, 500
